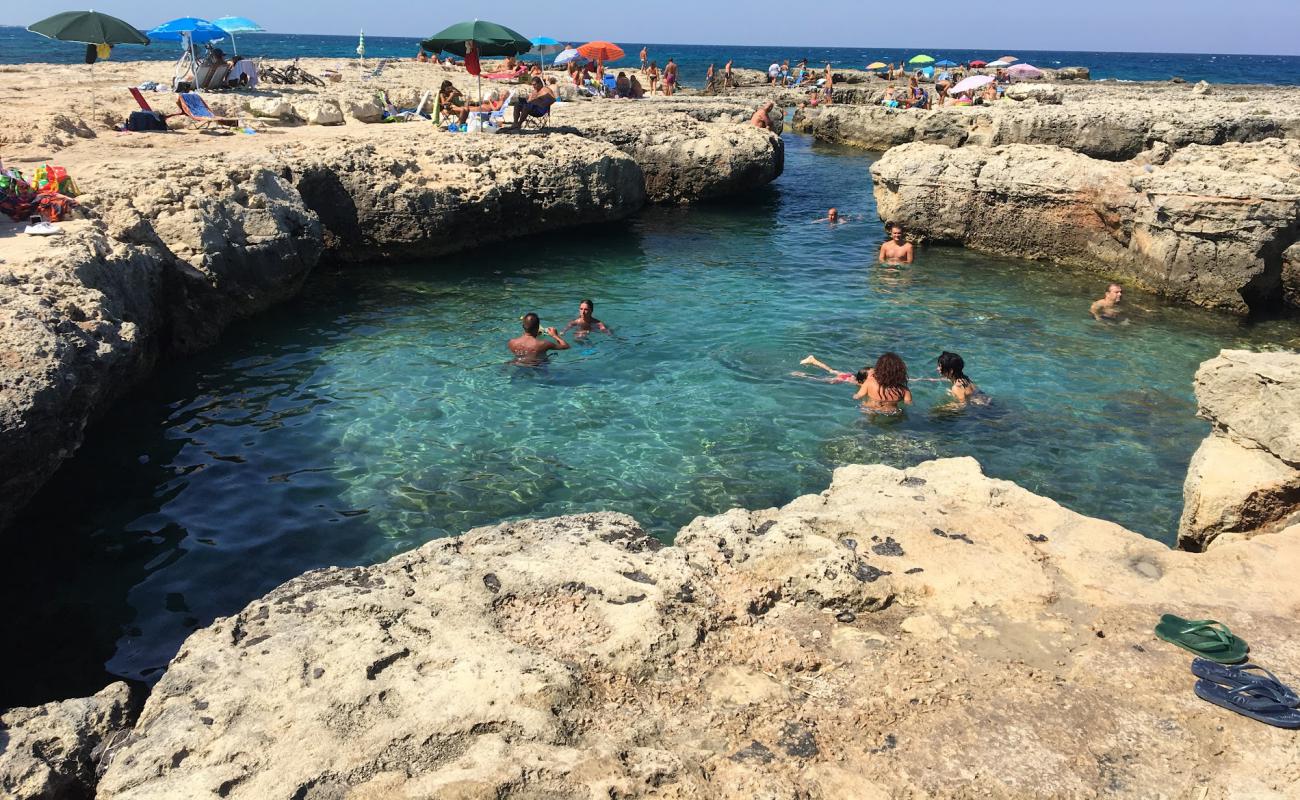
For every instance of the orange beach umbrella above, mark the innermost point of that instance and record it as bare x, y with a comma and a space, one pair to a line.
601, 51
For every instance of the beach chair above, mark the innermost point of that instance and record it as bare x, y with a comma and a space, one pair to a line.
539, 122
144, 104
196, 110
211, 76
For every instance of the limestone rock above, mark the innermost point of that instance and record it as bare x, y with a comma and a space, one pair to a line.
1073, 74
1235, 489
1208, 226
54, 751
277, 108
810, 651
320, 112
1040, 92
1201, 88
1254, 398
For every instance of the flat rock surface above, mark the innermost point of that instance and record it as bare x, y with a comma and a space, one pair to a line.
928, 632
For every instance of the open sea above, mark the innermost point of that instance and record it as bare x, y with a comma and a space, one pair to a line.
18, 46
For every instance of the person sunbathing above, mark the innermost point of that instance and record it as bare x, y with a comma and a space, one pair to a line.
537, 104
635, 90
452, 101
622, 86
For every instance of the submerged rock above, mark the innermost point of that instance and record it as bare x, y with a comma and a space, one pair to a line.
732, 677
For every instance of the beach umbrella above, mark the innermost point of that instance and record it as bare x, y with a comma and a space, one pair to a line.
568, 55
545, 46
489, 38
601, 51
979, 64
1025, 71
971, 84
945, 63
89, 28
998, 64
233, 25
877, 65
921, 59
192, 28
1008, 59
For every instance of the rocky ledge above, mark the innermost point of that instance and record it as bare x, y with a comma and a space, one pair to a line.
920, 632
1108, 121
1244, 479
1214, 226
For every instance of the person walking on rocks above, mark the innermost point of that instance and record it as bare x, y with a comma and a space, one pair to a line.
1107, 308
529, 348
644, 54
895, 250
728, 80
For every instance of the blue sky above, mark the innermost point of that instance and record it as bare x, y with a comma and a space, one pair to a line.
1187, 26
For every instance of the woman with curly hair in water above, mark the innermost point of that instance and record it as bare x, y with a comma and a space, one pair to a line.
886, 385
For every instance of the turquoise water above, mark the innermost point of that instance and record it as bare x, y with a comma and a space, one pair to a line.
379, 410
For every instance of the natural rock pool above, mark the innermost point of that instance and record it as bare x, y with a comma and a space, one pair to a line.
379, 411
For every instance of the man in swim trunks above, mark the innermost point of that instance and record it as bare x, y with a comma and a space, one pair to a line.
761, 118
530, 348
537, 104
644, 54
1107, 308
585, 322
832, 216
670, 77
895, 250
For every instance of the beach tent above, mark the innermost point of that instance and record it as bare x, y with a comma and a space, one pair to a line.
1025, 71
90, 28
921, 59
487, 38
545, 46
971, 84
189, 31
233, 25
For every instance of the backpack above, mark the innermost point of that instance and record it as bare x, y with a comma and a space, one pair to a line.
142, 121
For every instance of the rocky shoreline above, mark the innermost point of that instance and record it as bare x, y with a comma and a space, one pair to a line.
182, 234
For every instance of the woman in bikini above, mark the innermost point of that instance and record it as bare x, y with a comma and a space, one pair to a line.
952, 367
885, 387
652, 72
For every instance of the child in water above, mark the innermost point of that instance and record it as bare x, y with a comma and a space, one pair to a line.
837, 377
952, 367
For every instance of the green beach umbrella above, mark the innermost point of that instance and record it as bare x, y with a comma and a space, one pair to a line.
921, 59
88, 27
491, 39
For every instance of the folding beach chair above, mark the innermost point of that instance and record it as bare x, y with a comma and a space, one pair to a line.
144, 104
211, 76
196, 110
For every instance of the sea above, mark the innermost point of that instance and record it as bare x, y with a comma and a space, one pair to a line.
18, 46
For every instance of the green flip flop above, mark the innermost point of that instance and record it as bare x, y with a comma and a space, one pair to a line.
1206, 638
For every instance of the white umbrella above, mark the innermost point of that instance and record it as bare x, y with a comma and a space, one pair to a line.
1025, 71
971, 84
568, 55
998, 64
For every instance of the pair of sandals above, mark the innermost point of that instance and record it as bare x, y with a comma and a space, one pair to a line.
1248, 689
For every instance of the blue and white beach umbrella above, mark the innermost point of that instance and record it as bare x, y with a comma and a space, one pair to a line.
569, 55
233, 25
545, 46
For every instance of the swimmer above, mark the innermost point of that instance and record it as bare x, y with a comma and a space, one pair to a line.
832, 216
855, 378
896, 251
530, 348
585, 322
951, 366
885, 386
1107, 308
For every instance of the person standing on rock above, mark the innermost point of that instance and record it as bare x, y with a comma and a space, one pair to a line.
728, 80
895, 250
1107, 308
670, 77
530, 348
644, 55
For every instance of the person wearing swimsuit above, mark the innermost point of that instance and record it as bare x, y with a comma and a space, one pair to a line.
885, 387
855, 378
952, 367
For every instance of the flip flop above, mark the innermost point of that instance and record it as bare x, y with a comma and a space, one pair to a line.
1233, 677
1206, 638
1257, 701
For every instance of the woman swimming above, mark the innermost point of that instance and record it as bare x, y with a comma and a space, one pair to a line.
885, 386
952, 367
838, 377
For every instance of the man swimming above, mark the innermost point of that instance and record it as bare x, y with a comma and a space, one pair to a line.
1107, 308
530, 348
832, 216
585, 322
895, 250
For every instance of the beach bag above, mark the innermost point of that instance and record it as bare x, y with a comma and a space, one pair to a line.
53, 206
143, 121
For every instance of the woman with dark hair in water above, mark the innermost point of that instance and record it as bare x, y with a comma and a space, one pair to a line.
952, 367
886, 385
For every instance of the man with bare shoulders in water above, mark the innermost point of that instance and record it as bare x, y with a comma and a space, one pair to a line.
895, 250
1107, 308
530, 348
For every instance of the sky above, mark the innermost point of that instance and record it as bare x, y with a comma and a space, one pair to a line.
1185, 26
